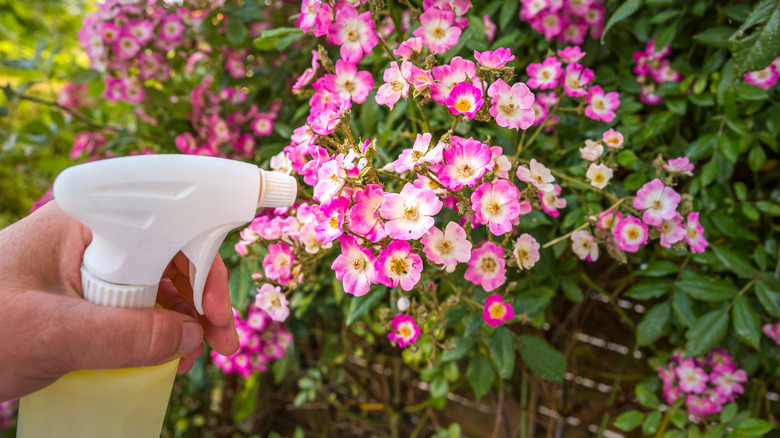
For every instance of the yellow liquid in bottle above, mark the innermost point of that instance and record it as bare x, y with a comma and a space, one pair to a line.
124, 403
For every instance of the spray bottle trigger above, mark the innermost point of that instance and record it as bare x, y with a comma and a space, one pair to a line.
201, 252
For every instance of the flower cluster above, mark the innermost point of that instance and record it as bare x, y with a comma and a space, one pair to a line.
7, 413
261, 341
575, 81
706, 384
653, 68
221, 124
569, 21
766, 77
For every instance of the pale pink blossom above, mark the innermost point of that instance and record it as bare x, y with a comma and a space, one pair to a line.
601, 106
466, 161
497, 205
447, 76
764, 78
272, 301
109, 32
171, 28
408, 47
592, 150
584, 246
141, 30
537, 175
629, 233
409, 214
494, 59
772, 331
672, 230
571, 54
419, 153
551, 201
364, 214
332, 224
126, 46
438, 30
679, 166
349, 83
263, 124
487, 267
511, 106
695, 233
599, 175
306, 77
658, 201
550, 24
607, 219
693, 379
395, 85
331, 178
526, 251
490, 27
497, 312
545, 75
501, 163
419, 78
576, 79
465, 99
398, 264
355, 267
405, 331
447, 248
613, 139
353, 32
728, 381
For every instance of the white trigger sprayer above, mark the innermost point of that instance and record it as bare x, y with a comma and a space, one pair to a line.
142, 210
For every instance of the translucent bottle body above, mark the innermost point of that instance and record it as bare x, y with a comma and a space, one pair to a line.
123, 403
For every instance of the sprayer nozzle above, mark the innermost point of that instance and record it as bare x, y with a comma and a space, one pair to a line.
277, 190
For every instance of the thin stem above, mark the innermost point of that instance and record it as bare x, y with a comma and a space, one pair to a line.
567, 235
426, 124
520, 145
744, 289
541, 125
77, 116
499, 409
392, 175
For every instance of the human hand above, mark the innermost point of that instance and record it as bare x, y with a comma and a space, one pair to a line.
47, 329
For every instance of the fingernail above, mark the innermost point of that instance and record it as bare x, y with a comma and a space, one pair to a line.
191, 337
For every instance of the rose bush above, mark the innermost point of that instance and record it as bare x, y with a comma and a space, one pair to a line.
495, 197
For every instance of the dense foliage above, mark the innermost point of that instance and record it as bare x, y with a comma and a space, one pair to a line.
552, 215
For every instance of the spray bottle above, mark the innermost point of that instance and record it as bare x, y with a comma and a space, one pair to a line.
142, 210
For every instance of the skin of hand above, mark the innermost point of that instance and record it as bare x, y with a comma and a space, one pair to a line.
47, 329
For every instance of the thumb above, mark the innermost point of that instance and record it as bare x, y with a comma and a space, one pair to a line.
82, 335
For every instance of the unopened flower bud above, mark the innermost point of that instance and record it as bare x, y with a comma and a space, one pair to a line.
403, 304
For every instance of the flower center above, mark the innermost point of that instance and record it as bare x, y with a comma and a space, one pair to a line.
352, 35
438, 32
762, 74
522, 253
599, 104
573, 82
538, 179
397, 85
462, 105
405, 331
416, 155
410, 213
550, 21
127, 44
664, 227
466, 171
334, 222
657, 205
335, 178
546, 74
613, 141
170, 28
691, 232
276, 302
488, 264
599, 177
633, 234
358, 264
349, 86
497, 310
398, 267
445, 247
494, 208
507, 109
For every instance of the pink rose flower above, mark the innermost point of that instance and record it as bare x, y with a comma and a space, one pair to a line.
695, 233
613, 139
438, 30
405, 331
576, 79
395, 85
497, 205
355, 267
629, 233
447, 248
537, 175
526, 251
465, 99
511, 106
354, 33
497, 312
410, 213
398, 264
584, 246
679, 166
551, 201
672, 230
364, 214
487, 267
419, 154
545, 75
658, 201
272, 301
466, 161
494, 59
601, 106
571, 54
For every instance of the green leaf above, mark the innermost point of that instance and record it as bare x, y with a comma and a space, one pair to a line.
654, 324
715, 432
480, 375
86, 76
666, 36
707, 289
439, 386
659, 268
757, 42
545, 361
646, 397
502, 351
508, 10
650, 425
768, 298
236, 32
649, 289
768, 207
717, 36
750, 92
734, 262
746, 322
728, 413
706, 333
462, 348
756, 158
628, 421
683, 307
571, 290
728, 148
754, 427
625, 10
359, 306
